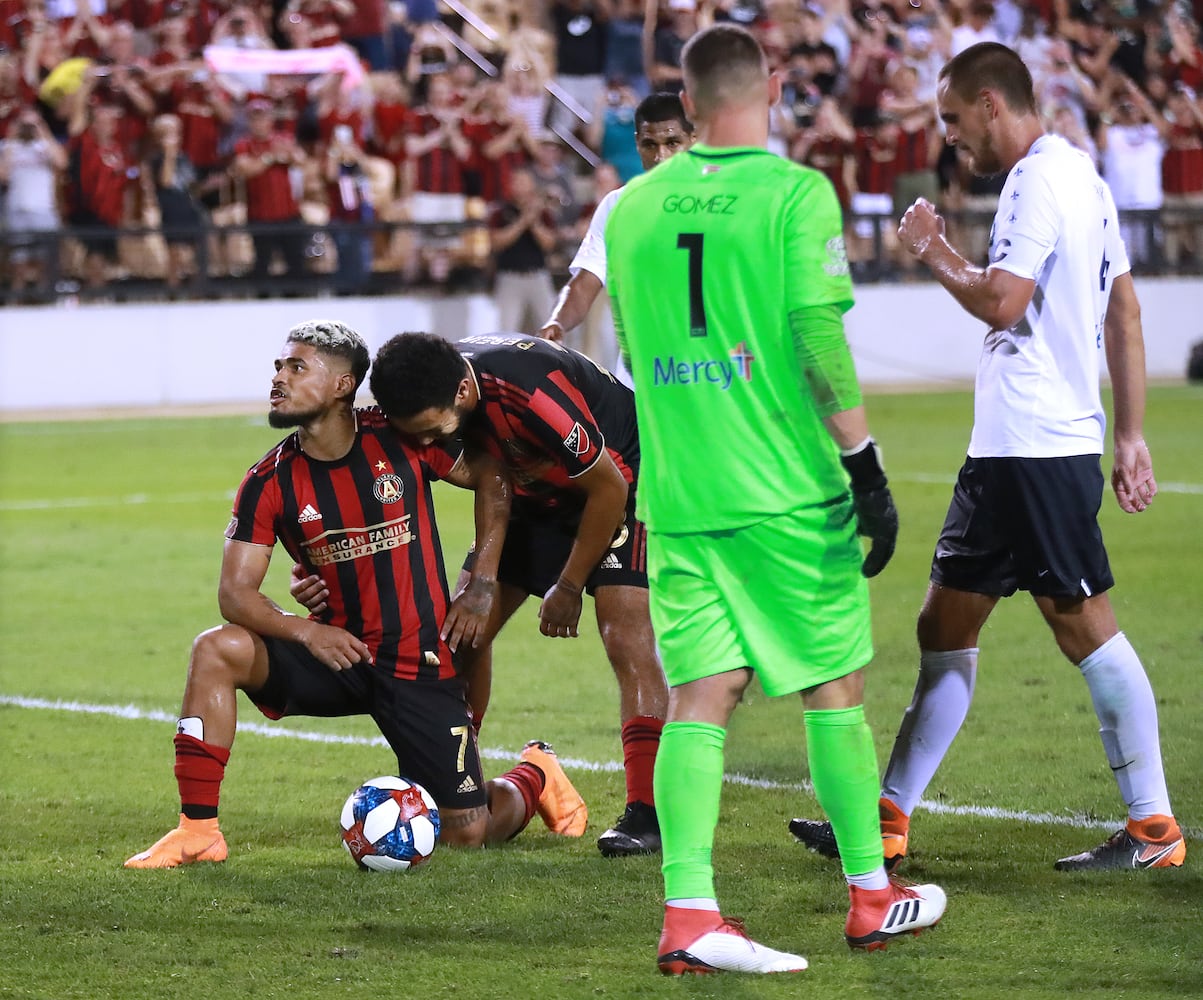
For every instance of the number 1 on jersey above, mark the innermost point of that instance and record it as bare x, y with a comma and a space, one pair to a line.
697, 309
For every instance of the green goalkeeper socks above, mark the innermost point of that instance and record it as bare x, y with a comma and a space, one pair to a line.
688, 784
843, 769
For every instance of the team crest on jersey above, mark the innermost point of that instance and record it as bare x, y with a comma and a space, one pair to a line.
388, 489
577, 440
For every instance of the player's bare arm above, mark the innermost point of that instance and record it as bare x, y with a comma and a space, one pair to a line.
1123, 340
468, 617
572, 304
996, 297
605, 509
242, 602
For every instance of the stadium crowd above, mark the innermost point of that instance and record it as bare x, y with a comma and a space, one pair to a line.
193, 146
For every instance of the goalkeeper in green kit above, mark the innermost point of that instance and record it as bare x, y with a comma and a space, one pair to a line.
729, 283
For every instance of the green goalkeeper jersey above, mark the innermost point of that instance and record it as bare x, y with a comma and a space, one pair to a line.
707, 257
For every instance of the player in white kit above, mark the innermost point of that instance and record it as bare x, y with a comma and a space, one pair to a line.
1024, 512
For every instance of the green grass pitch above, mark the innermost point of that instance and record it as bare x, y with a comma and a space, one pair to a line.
110, 542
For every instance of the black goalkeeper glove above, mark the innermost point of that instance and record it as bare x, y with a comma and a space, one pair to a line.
876, 515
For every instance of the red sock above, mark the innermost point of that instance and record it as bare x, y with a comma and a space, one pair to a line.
640, 741
199, 768
529, 781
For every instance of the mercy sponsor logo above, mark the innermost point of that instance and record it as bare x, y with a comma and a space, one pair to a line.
671, 371
346, 544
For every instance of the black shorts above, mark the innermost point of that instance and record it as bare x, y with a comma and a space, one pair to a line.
96, 236
1025, 524
538, 540
427, 724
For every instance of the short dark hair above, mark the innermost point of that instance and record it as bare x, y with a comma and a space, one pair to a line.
414, 372
994, 66
720, 63
661, 107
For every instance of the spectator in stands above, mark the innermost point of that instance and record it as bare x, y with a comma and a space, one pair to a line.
978, 26
525, 83
555, 178
624, 47
500, 143
829, 146
436, 144
120, 85
206, 115
15, 93
102, 174
432, 54
495, 17
323, 19
1065, 83
1182, 177
814, 63
366, 31
241, 28
174, 59
1132, 149
875, 44
390, 117
611, 134
1184, 61
530, 42
172, 179
31, 161
872, 241
264, 159
919, 140
438, 152
522, 232
668, 41
1034, 44
335, 104
1063, 122
349, 195
85, 30
579, 27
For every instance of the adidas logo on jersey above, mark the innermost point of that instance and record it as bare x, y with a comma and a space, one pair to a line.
467, 785
610, 562
309, 514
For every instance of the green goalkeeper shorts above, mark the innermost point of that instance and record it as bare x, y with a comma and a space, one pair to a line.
784, 597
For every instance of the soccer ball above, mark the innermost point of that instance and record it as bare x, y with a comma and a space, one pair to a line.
390, 824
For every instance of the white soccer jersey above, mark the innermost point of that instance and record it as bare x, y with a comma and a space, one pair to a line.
591, 257
591, 254
1037, 393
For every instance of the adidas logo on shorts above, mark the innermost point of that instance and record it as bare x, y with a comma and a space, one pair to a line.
467, 785
610, 562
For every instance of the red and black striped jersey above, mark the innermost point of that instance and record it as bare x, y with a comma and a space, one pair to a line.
548, 412
365, 524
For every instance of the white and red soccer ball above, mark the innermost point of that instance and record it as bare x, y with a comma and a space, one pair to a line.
390, 824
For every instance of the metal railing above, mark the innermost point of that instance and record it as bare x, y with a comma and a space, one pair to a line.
394, 256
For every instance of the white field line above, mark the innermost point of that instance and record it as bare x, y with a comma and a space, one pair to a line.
143, 499
133, 713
